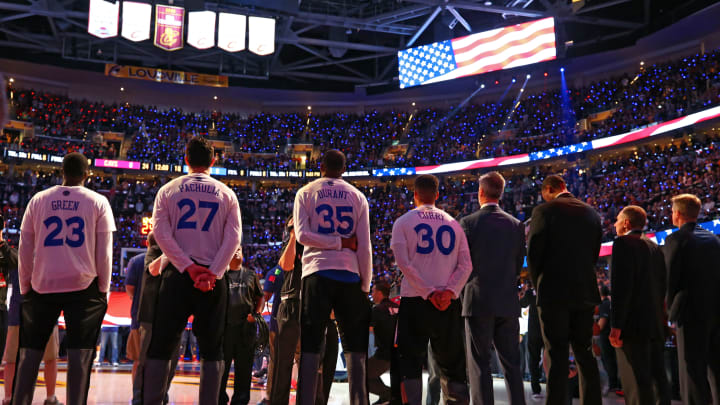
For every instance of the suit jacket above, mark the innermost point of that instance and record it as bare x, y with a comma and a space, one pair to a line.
692, 257
563, 248
638, 288
497, 248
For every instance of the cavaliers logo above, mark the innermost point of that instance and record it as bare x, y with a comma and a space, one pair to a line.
169, 37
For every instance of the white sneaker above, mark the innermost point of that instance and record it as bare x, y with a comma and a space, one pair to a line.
116, 364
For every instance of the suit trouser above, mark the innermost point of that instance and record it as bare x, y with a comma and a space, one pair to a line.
699, 361
481, 332
535, 346
562, 327
634, 364
419, 322
83, 310
238, 347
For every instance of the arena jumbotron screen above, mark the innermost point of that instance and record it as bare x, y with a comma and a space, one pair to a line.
488, 51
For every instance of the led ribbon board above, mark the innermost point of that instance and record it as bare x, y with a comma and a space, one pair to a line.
488, 51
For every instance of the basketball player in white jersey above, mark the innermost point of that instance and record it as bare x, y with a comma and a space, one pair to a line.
431, 250
65, 263
198, 227
332, 222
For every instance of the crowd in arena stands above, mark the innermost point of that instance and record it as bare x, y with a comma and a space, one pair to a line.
540, 120
647, 177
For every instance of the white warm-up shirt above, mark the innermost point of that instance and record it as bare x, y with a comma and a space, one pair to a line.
197, 218
432, 252
65, 241
326, 210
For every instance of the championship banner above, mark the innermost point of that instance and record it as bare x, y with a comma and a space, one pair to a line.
165, 76
136, 21
201, 29
231, 32
261, 38
103, 18
169, 27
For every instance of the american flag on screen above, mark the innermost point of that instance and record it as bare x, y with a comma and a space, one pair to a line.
502, 48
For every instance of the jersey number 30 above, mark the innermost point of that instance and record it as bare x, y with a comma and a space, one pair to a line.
426, 239
77, 229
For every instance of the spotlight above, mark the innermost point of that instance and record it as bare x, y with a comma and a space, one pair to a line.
642, 63
12, 80
497, 81
214, 97
482, 86
545, 74
527, 77
309, 107
562, 70
413, 103
122, 88
513, 80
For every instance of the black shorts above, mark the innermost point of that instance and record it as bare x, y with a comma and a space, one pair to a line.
321, 295
84, 311
178, 299
419, 322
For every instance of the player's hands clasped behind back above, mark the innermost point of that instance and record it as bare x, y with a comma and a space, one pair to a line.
202, 277
441, 299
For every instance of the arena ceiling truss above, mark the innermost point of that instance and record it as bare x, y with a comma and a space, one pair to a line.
333, 44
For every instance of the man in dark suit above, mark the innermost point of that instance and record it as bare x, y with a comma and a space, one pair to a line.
692, 257
491, 307
638, 298
563, 248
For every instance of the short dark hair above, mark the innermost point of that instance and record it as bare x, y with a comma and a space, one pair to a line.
75, 165
493, 184
554, 181
151, 239
334, 161
384, 287
687, 205
199, 152
636, 215
426, 187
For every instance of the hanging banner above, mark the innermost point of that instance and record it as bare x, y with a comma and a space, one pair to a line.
103, 18
231, 32
165, 76
201, 29
169, 27
136, 21
261, 35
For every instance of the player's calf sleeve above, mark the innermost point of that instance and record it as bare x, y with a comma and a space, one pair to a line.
26, 372
155, 381
308, 378
211, 373
78, 375
357, 377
